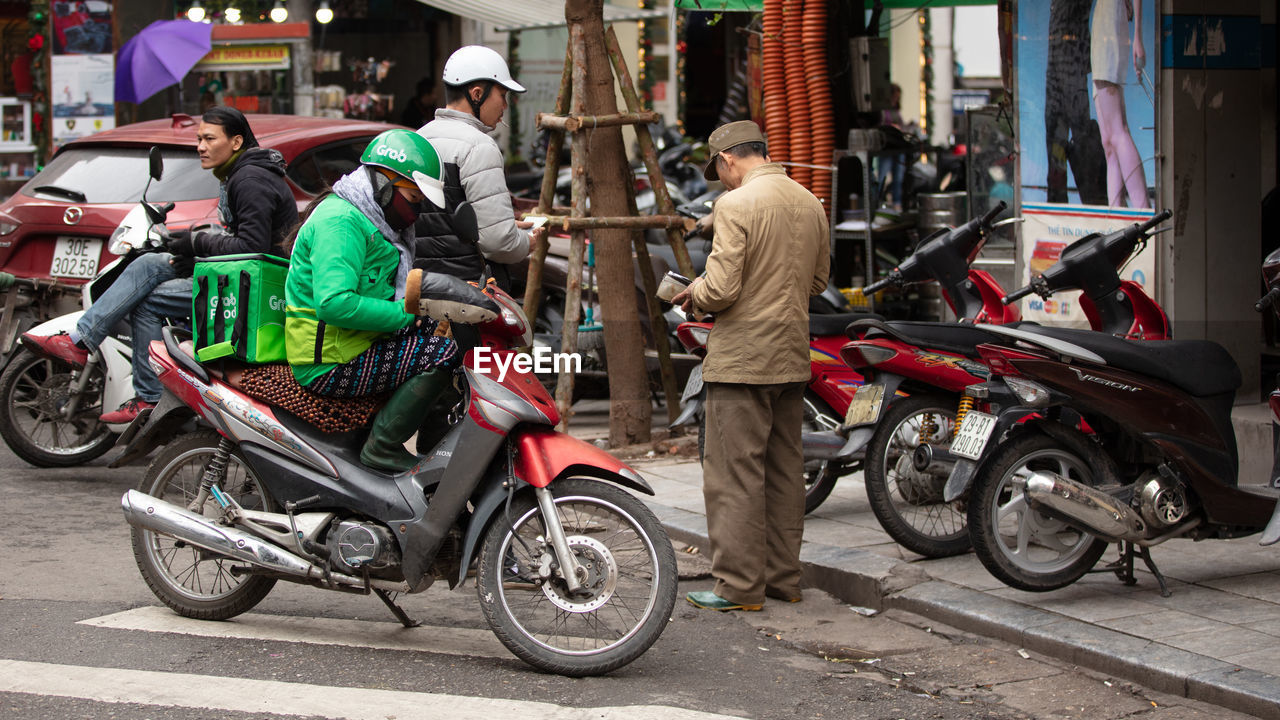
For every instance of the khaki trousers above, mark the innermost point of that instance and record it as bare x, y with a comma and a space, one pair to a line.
753, 486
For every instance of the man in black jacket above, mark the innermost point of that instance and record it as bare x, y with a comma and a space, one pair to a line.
257, 211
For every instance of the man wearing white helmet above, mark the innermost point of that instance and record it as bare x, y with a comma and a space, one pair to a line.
476, 85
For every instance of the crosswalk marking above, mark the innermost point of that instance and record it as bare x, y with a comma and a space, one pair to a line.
207, 692
315, 631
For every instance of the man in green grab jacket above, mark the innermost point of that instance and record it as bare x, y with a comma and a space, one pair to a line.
347, 333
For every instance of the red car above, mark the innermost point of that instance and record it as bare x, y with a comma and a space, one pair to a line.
54, 230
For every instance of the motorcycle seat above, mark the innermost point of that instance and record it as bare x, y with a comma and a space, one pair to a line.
1200, 367
957, 338
821, 324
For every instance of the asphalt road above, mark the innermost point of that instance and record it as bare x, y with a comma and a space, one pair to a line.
84, 637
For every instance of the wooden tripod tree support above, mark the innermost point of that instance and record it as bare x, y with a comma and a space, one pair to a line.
572, 96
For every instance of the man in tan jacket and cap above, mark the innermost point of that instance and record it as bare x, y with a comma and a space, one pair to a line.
771, 253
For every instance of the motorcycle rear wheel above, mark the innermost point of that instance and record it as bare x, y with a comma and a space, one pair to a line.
193, 582
630, 587
909, 503
1019, 546
32, 389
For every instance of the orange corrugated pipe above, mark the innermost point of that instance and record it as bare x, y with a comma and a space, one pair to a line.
798, 115
817, 88
773, 76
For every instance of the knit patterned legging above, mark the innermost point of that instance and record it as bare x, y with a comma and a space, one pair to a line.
389, 362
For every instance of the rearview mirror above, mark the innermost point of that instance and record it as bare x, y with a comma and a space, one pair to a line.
155, 162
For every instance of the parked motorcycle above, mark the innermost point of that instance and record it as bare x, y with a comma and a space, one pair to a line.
1158, 459
574, 575
917, 372
49, 411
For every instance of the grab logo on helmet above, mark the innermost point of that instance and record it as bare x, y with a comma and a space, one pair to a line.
392, 153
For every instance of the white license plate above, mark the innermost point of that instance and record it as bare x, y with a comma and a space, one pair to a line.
975, 430
864, 409
76, 257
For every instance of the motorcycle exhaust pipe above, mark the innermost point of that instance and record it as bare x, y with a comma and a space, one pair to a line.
144, 511
833, 445
935, 461
1095, 511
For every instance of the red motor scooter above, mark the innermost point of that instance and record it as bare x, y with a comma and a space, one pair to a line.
918, 371
574, 574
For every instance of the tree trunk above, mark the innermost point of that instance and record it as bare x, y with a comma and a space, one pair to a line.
609, 181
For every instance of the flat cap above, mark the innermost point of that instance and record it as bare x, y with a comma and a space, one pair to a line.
729, 136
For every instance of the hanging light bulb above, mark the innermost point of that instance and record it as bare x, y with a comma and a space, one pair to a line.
278, 13
195, 13
231, 14
324, 13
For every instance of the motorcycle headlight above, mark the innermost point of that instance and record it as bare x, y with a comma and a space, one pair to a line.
1031, 394
118, 243
700, 334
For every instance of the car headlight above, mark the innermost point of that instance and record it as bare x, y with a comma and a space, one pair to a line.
7, 227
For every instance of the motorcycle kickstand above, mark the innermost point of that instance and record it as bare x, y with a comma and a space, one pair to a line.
1123, 567
396, 610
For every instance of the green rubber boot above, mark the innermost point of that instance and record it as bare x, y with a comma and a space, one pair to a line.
435, 424
398, 420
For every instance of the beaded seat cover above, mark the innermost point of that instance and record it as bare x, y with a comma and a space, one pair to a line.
275, 384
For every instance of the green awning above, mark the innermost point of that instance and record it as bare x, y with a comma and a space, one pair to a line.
758, 5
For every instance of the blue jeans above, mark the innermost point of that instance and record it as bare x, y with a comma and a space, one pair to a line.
148, 292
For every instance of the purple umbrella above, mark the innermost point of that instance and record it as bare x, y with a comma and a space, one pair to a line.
158, 57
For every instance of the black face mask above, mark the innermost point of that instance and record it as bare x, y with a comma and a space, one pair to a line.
400, 213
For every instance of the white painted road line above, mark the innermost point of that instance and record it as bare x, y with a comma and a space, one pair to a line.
316, 631
207, 692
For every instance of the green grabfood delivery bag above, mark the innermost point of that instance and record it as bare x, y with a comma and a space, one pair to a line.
237, 307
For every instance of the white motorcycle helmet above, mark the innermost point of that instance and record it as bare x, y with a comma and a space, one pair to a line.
476, 62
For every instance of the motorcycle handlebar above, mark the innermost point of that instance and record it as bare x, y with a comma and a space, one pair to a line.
1267, 300
1017, 295
1159, 218
878, 285
992, 213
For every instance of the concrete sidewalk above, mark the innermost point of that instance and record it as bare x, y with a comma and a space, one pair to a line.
1217, 639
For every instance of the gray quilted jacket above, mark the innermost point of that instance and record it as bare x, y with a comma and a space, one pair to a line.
463, 140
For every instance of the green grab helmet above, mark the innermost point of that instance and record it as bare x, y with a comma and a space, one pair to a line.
409, 155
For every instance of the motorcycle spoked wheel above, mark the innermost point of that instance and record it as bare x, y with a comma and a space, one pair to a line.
908, 503
194, 582
629, 589
1021, 547
32, 390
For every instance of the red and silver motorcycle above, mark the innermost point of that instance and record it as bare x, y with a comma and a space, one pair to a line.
574, 574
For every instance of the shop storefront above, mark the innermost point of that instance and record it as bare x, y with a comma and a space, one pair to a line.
249, 67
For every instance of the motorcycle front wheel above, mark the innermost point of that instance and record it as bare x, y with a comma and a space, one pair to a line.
628, 584
33, 392
1020, 546
194, 582
908, 502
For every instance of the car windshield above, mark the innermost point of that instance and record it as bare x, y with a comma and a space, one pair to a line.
119, 174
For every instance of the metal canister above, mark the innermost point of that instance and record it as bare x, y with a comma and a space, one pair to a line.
940, 210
